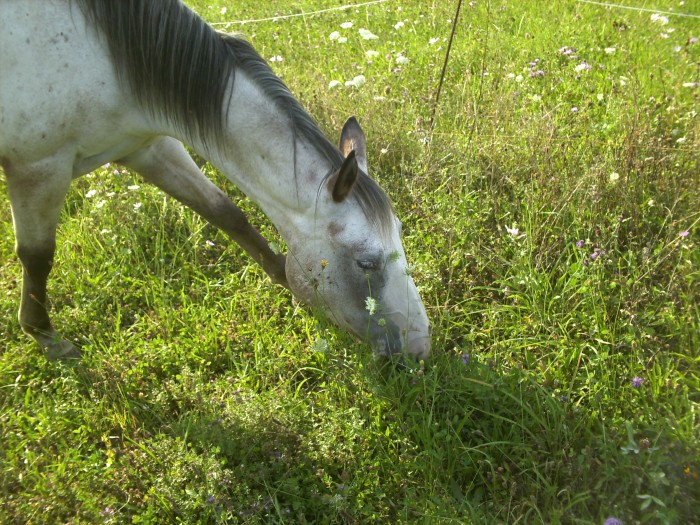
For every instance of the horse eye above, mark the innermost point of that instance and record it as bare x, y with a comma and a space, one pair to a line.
368, 266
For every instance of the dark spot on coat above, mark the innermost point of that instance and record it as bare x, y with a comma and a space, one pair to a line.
335, 229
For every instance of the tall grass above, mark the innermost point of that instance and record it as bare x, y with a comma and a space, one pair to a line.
545, 214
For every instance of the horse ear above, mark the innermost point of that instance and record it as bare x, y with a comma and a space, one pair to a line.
352, 138
344, 180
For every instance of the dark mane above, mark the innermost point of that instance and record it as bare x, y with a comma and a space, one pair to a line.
178, 67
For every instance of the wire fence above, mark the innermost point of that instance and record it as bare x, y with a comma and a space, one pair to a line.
374, 2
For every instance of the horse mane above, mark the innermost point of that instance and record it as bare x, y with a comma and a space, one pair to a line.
179, 68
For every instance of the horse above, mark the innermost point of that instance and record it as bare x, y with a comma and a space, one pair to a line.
86, 82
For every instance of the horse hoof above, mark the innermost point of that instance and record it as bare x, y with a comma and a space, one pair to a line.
62, 350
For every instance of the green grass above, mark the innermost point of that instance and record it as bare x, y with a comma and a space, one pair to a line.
207, 395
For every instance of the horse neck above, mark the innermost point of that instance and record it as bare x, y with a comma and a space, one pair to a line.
263, 157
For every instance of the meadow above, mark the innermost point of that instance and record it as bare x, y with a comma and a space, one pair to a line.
550, 205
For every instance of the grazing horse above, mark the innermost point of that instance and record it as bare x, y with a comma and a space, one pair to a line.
86, 82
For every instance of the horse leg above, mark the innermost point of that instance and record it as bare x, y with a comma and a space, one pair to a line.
167, 164
36, 198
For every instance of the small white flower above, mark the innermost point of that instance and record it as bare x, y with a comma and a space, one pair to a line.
610, 50
342, 40
582, 67
101, 203
691, 84
401, 60
513, 231
368, 35
433, 41
346, 25
133, 187
650, 203
333, 83
659, 19
519, 78
398, 25
91, 193
276, 58
536, 98
357, 82
371, 54
681, 140
614, 176
334, 35
600, 97
209, 243
223, 10
137, 206
371, 305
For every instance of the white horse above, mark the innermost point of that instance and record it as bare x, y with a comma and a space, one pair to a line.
85, 82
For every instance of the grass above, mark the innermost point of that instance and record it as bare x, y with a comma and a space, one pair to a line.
208, 396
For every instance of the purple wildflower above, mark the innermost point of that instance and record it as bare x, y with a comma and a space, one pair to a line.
567, 51
612, 521
637, 382
684, 234
538, 73
466, 358
693, 40
594, 255
579, 244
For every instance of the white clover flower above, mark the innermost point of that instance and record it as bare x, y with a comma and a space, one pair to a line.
609, 50
398, 25
334, 83
368, 35
519, 78
614, 177
600, 97
357, 82
434, 40
342, 40
91, 193
401, 60
346, 25
334, 35
659, 19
